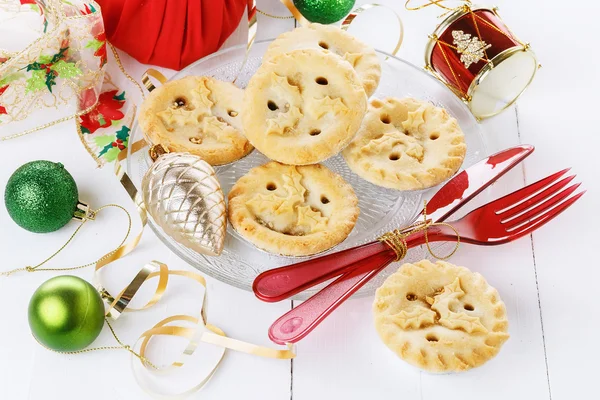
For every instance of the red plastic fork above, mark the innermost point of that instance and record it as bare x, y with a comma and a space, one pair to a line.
281, 283
500, 221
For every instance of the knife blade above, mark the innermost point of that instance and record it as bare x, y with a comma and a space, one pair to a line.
281, 283
459, 190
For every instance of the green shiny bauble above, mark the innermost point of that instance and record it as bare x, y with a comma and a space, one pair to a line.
324, 11
41, 196
66, 313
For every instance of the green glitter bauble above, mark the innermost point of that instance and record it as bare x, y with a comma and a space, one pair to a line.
41, 196
66, 313
324, 11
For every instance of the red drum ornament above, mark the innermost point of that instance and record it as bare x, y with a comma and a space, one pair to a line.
475, 54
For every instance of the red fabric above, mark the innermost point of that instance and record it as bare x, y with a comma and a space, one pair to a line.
170, 33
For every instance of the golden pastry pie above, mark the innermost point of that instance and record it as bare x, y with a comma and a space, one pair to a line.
199, 115
303, 107
292, 210
440, 317
406, 144
333, 39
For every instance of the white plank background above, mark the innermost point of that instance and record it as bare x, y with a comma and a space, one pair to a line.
548, 281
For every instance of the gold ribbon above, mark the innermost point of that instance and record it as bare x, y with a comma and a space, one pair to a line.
151, 72
350, 19
396, 239
118, 304
437, 3
202, 331
359, 10
54, 11
102, 259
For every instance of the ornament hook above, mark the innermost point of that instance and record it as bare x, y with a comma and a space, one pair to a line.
84, 212
156, 151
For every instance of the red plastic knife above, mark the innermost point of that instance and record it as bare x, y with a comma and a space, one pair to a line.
281, 283
297, 323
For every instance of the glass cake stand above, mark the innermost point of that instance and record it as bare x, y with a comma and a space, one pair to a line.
381, 209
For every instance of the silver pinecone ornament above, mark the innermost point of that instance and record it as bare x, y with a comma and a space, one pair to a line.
184, 197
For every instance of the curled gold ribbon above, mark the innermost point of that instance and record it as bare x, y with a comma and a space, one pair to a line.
350, 19
202, 330
151, 72
359, 10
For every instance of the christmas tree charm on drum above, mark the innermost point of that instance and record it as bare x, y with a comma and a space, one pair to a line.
475, 54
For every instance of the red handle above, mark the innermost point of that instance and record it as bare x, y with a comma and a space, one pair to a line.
298, 322
281, 283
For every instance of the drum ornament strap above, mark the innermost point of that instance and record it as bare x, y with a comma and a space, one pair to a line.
437, 3
471, 49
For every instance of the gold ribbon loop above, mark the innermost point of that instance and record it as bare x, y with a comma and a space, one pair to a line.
105, 259
365, 7
201, 332
151, 72
119, 304
396, 239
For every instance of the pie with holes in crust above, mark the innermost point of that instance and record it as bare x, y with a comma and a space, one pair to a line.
440, 317
292, 210
335, 40
406, 144
199, 115
303, 107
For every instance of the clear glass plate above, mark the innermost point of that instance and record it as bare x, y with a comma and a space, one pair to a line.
381, 209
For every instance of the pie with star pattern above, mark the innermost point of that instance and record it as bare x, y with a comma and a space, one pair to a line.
440, 317
199, 115
303, 107
406, 144
332, 39
292, 210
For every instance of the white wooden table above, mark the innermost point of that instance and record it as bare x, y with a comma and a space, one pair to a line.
548, 280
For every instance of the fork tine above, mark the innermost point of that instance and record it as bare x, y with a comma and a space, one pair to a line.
543, 219
540, 207
504, 202
516, 209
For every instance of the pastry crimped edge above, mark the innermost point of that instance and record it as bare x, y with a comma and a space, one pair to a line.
155, 131
438, 356
253, 118
244, 222
398, 178
370, 74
